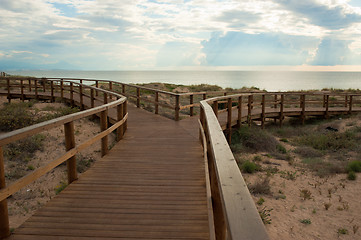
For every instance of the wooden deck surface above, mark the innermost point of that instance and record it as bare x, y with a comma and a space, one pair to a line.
151, 185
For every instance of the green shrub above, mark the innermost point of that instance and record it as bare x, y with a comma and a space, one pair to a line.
15, 116
249, 167
281, 149
24, 149
260, 187
255, 139
354, 166
60, 187
351, 175
308, 152
305, 221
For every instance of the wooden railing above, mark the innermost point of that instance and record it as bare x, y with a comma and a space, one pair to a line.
235, 214
58, 89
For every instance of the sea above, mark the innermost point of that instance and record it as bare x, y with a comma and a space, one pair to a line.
264, 80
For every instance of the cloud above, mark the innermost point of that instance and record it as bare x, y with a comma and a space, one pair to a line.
330, 17
237, 49
333, 52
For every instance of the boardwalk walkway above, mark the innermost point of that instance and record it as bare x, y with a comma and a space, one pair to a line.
151, 185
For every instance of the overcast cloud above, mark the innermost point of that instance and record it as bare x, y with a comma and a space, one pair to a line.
120, 35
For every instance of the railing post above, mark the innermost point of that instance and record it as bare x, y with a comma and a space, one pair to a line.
81, 96
204, 96
191, 110
229, 120
105, 98
22, 90
324, 100
125, 111
350, 105
201, 118
281, 109
70, 144
249, 116
303, 106
275, 106
111, 89
62, 89
156, 104
138, 97
120, 115
52, 91
4, 216
215, 108
239, 118
263, 110
36, 88
327, 105
123, 89
29, 85
72, 94
43, 80
103, 127
97, 86
92, 98
346, 100
8, 88
176, 108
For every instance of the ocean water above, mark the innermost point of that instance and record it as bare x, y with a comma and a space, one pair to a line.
268, 80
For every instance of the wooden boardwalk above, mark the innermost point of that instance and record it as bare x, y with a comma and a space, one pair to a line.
151, 185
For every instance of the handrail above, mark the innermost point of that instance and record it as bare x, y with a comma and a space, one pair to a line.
119, 124
235, 214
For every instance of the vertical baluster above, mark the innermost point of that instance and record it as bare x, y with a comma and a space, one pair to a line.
263, 110
97, 86
103, 127
239, 118
62, 89
22, 90
177, 107
191, 110
92, 97
281, 109
111, 89
303, 106
350, 105
70, 144
249, 116
120, 116
52, 91
36, 88
81, 96
327, 106
156, 104
72, 94
105, 101
138, 97
4, 216
229, 120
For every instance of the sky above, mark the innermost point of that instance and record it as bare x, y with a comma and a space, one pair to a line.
180, 34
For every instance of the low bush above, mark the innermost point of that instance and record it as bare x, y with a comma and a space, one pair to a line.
351, 175
354, 166
261, 187
15, 116
308, 152
254, 139
23, 150
249, 167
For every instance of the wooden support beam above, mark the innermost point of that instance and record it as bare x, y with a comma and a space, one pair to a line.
229, 120
4, 216
138, 97
92, 98
303, 107
22, 90
97, 86
281, 109
263, 110
36, 88
111, 89
70, 144
239, 118
156, 103
327, 106
350, 105
62, 90
120, 115
105, 100
72, 94
191, 110
177, 107
204, 96
52, 91
81, 97
103, 127
249, 116
29, 85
